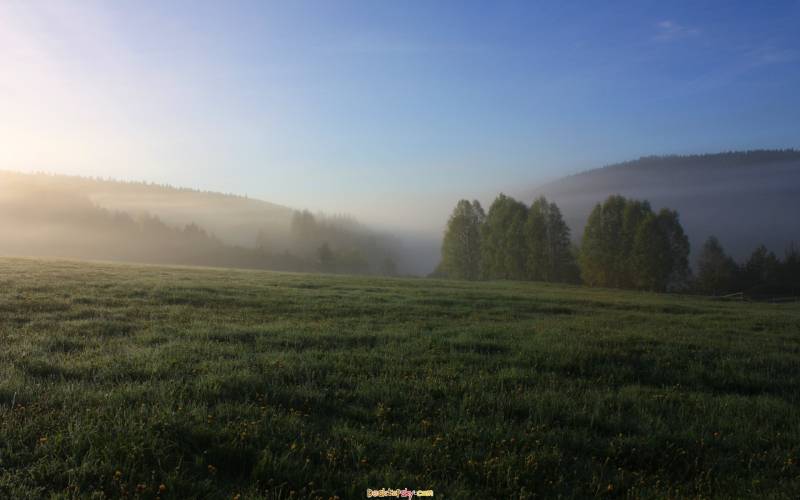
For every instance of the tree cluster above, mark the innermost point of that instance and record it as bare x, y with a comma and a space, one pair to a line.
626, 245
338, 244
65, 224
511, 241
762, 275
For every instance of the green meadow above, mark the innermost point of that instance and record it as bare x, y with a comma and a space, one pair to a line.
166, 382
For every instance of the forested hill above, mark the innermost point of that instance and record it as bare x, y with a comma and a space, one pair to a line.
744, 198
234, 219
61, 216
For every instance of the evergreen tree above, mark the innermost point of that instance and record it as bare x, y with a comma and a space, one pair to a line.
670, 226
716, 271
762, 268
790, 270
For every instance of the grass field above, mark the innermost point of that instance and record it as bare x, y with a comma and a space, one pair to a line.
147, 382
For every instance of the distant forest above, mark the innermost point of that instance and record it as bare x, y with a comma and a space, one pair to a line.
625, 244
61, 223
728, 159
744, 198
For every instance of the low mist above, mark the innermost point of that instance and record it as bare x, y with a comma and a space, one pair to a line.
58, 216
744, 199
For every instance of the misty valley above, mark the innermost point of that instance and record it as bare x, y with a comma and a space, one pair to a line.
347, 249
73, 217
543, 363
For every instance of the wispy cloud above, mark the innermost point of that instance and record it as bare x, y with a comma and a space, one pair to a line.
669, 30
769, 54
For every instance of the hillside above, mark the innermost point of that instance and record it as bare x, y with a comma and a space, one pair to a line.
744, 198
234, 219
62, 216
137, 381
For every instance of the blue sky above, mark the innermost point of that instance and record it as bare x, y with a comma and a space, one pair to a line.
387, 110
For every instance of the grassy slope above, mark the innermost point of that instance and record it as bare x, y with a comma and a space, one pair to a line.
216, 382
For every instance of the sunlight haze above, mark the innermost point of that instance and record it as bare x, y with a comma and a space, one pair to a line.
385, 111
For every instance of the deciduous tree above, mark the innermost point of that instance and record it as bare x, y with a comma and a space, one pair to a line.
461, 246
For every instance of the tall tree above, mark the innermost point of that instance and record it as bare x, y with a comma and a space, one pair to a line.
602, 255
634, 214
537, 240
661, 253
563, 264
790, 269
716, 271
503, 247
651, 261
626, 245
761, 268
679, 271
304, 225
461, 246
549, 250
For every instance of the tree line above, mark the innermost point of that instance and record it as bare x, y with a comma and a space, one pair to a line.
512, 241
625, 244
66, 224
762, 274
337, 244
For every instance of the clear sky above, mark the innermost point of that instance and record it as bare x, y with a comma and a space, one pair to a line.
387, 110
